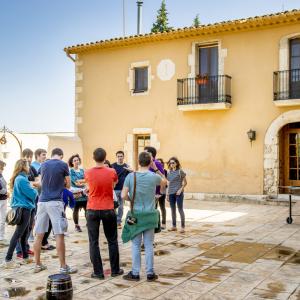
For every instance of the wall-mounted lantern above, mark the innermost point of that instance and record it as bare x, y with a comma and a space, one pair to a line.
251, 135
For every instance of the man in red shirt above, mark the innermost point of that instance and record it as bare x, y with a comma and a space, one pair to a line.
100, 207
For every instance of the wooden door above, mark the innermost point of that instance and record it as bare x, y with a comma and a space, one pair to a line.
292, 156
141, 142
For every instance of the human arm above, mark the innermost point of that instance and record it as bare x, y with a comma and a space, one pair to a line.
67, 182
27, 189
125, 190
183, 182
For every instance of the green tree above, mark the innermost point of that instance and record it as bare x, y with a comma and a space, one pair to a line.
196, 22
162, 22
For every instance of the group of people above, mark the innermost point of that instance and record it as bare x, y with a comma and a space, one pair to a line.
44, 188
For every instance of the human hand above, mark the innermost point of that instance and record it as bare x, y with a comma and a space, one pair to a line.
179, 191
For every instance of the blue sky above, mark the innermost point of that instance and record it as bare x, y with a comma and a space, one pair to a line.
37, 79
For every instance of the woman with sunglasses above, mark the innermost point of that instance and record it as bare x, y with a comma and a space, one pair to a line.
176, 184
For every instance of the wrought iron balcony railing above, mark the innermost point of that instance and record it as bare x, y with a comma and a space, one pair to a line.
287, 85
204, 89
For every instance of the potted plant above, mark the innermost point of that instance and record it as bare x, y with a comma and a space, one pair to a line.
202, 79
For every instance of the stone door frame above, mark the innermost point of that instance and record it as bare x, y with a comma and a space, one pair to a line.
271, 150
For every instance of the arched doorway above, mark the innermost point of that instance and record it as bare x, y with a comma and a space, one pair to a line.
289, 155
276, 145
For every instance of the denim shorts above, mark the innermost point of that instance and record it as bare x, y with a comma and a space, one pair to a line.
54, 211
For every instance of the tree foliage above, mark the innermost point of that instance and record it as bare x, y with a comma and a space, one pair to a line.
196, 21
162, 22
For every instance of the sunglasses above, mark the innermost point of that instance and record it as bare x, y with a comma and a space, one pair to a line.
172, 162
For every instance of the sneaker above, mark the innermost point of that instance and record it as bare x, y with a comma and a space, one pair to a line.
97, 276
20, 255
152, 277
68, 270
173, 229
48, 247
121, 272
39, 268
163, 226
30, 252
27, 261
77, 228
131, 277
182, 230
9, 265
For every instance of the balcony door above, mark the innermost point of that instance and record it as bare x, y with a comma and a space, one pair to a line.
208, 70
294, 69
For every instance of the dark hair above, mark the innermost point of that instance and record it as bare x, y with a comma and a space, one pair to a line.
57, 151
161, 161
2, 164
152, 150
178, 166
70, 161
107, 163
144, 159
99, 155
38, 152
27, 152
120, 152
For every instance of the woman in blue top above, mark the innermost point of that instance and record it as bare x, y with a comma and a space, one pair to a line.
24, 196
77, 181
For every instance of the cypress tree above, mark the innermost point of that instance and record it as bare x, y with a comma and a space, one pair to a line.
196, 22
162, 22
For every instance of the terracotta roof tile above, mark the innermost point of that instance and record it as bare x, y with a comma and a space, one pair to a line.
292, 16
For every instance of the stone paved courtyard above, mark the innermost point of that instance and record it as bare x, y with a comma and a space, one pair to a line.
229, 251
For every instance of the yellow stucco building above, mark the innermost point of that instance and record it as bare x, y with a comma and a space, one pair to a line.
195, 93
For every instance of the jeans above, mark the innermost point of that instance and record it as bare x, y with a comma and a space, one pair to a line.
120, 208
3, 208
162, 206
78, 206
174, 199
148, 236
109, 221
18, 246
21, 233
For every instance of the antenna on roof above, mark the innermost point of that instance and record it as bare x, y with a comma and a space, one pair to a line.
124, 23
139, 17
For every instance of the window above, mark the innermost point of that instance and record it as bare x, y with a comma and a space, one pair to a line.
140, 79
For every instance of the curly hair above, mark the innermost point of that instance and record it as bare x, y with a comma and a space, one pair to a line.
70, 161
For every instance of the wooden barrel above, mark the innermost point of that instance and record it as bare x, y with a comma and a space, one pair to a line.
59, 286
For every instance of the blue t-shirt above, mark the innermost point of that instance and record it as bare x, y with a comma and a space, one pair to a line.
53, 173
36, 165
146, 183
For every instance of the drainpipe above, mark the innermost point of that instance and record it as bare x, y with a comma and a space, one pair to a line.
139, 20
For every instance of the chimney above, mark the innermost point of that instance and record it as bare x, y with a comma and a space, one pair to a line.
139, 20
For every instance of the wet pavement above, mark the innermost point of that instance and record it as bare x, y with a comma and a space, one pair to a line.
229, 251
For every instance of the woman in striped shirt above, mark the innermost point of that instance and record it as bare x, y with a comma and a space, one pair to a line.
176, 184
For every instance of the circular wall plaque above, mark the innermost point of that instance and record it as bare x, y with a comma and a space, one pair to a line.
165, 69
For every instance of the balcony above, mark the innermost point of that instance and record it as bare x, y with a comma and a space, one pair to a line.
287, 87
204, 93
